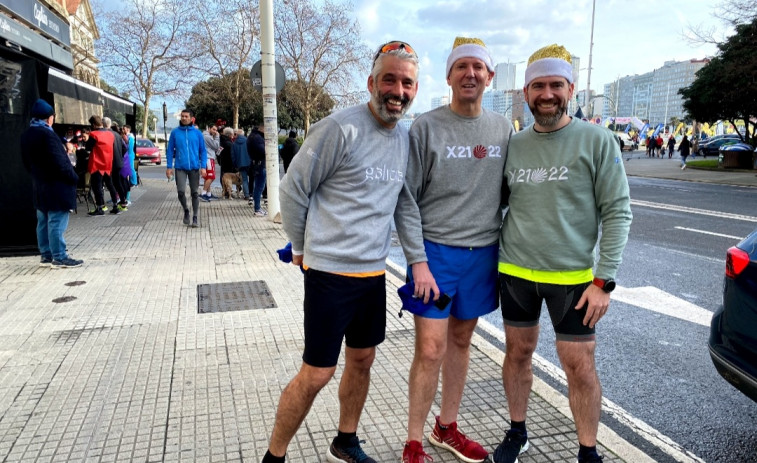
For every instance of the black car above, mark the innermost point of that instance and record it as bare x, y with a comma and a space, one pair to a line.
712, 145
733, 331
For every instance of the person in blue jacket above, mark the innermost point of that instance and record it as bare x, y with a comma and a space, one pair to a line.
186, 152
241, 161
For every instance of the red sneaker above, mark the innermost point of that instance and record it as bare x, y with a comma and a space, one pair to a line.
413, 453
456, 442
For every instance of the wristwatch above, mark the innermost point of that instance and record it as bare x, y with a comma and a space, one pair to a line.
605, 285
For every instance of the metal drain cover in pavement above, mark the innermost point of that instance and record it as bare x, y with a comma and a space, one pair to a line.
228, 297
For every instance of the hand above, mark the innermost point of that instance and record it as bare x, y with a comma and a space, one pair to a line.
203, 172
297, 260
425, 284
169, 173
597, 301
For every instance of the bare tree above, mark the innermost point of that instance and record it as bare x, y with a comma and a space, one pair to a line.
144, 51
228, 35
319, 45
731, 13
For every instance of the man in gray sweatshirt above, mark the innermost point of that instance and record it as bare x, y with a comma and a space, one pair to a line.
448, 219
337, 200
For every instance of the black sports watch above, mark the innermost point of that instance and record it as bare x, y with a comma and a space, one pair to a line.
605, 285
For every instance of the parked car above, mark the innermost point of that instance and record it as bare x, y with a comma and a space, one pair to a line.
626, 142
733, 331
712, 145
147, 151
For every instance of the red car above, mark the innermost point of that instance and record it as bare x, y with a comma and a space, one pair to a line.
147, 151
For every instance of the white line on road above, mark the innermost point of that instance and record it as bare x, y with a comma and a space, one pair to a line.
691, 210
657, 300
709, 233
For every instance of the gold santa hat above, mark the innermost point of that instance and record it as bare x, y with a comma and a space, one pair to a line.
552, 60
465, 47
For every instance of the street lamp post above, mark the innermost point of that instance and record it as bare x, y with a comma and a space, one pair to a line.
155, 127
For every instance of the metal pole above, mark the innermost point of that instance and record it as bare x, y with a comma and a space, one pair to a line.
268, 73
591, 48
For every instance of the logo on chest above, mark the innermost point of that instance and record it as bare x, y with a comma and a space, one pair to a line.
477, 152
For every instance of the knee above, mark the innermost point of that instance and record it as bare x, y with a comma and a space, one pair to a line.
311, 380
430, 351
360, 360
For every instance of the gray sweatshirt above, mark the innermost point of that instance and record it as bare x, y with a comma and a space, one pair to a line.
339, 193
453, 186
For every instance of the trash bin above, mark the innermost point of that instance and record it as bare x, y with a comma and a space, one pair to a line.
736, 156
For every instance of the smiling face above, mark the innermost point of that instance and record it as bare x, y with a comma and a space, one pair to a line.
393, 89
185, 118
468, 78
548, 98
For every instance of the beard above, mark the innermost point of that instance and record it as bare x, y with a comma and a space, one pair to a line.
549, 119
379, 104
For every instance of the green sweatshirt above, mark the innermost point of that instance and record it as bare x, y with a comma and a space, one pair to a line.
563, 185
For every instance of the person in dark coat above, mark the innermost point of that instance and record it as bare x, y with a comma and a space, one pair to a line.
671, 146
684, 148
289, 149
256, 151
53, 185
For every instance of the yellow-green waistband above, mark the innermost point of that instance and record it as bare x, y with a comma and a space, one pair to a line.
567, 277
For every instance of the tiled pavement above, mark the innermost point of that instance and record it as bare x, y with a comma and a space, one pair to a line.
112, 361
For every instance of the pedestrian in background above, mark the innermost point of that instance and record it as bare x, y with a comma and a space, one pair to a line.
336, 208
290, 148
213, 148
684, 148
241, 160
186, 148
53, 185
256, 151
671, 146
101, 146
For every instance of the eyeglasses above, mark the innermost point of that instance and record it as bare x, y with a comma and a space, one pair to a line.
392, 46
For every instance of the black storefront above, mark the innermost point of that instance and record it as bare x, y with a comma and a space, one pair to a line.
35, 62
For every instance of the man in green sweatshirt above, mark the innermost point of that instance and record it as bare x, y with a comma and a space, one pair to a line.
566, 179
337, 200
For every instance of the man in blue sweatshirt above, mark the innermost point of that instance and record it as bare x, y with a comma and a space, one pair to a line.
186, 152
337, 200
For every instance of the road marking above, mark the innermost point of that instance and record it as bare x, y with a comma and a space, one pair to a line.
692, 210
709, 233
651, 435
657, 300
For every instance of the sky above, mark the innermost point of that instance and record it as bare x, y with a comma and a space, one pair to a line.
630, 37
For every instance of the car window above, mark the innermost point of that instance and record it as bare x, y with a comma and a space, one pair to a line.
142, 143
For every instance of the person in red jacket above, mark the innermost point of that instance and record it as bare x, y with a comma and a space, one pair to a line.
101, 145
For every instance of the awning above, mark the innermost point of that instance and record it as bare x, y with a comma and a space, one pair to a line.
76, 101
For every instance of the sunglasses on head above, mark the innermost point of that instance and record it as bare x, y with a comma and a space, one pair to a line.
392, 46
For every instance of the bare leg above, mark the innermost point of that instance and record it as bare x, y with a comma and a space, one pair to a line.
295, 403
584, 390
430, 347
517, 375
353, 388
455, 366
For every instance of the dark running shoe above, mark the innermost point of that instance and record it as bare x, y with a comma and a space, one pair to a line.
45, 261
67, 263
351, 453
591, 458
453, 440
515, 443
186, 217
98, 211
195, 224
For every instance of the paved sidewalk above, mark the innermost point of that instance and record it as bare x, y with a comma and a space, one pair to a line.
112, 361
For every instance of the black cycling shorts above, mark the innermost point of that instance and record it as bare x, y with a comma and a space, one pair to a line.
339, 307
521, 302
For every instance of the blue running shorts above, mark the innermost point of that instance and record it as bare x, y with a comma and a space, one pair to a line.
467, 275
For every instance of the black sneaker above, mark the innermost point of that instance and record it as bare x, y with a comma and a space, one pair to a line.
591, 458
348, 454
186, 217
67, 263
45, 261
515, 443
195, 224
115, 210
96, 212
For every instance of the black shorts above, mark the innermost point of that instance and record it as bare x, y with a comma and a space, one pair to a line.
340, 307
521, 301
